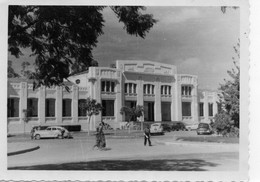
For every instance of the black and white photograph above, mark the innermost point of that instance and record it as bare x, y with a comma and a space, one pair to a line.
150, 91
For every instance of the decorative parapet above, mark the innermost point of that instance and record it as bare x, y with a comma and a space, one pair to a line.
103, 72
15, 85
188, 79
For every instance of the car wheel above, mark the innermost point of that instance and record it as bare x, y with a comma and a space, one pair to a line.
59, 136
37, 137
198, 133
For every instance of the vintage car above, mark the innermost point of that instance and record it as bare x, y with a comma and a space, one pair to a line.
156, 128
204, 128
52, 132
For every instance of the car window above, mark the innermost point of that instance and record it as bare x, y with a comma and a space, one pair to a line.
203, 125
54, 129
48, 129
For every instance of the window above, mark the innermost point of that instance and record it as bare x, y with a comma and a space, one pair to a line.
166, 90
108, 108
50, 107
130, 88
186, 109
210, 109
66, 107
107, 86
201, 109
13, 107
32, 107
81, 107
186, 90
148, 89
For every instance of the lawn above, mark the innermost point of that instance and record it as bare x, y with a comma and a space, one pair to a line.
215, 139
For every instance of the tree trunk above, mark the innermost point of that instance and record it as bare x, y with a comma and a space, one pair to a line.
89, 124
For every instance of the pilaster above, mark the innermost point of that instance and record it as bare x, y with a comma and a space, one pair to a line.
23, 99
58, 106
42, 96
140, 94
75, 98
158, 103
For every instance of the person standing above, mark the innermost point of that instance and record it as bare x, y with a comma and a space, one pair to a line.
147, 136
100, 137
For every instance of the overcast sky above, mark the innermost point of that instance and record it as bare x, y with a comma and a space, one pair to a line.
198, 40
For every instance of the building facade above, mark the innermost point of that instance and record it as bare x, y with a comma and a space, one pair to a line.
165, 95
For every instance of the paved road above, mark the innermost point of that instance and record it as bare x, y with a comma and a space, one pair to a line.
127, 154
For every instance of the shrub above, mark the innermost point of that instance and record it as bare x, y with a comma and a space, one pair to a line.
224, 125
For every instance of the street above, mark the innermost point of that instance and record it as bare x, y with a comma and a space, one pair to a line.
126, 154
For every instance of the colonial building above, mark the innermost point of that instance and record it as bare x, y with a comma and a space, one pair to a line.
165, 95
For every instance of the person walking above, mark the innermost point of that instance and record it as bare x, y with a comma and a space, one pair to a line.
100, 137
147, 136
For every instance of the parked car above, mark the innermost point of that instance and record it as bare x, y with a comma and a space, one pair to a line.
192, 127
178, 126
204, 128
156, 128
52, 132
167, 127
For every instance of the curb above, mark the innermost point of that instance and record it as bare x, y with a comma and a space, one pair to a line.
23, 151
194, 143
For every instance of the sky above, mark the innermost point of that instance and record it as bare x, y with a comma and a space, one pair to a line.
198, 40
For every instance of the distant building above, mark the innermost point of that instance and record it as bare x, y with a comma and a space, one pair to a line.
165, 95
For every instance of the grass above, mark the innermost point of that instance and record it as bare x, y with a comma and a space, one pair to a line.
215, 139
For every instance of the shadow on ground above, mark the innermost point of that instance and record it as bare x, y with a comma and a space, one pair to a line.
158, 165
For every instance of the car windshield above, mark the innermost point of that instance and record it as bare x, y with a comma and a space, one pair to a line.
154, 125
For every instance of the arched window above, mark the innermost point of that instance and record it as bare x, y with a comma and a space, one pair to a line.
148, 89
130, 88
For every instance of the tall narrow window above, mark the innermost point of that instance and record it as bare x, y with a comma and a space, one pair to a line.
32, 107
107, 86
81, 107
130, 88
108, 108
201, 109
186, 109
210, 109
126, 87
112, 86
66, 107
103, 86
13, 107
135, 88
50, 107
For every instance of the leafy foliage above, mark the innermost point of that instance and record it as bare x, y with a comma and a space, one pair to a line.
91, 107
62, 37
230, 91
10, 71
132, 113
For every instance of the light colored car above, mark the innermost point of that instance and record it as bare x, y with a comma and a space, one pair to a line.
156, 128
204, 128
52, 132
191, 127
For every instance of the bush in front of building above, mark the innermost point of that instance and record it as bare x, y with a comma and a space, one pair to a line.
224, 125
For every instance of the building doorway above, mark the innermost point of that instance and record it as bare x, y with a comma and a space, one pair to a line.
148, 111
166, 111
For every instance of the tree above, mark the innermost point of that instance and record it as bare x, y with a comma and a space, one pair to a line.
230, 91
25, 72
62, 37
91, 107
10, 71
132, 113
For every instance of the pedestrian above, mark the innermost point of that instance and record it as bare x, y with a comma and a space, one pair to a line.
32, 133
100, 137
147, 136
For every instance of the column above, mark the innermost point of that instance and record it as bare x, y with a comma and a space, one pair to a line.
75, 100
158, 103
23, 100
178, 96
42, 98
118, 102
194, 92
58, 106
140, 95
215, 105
96, 119
206, 107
